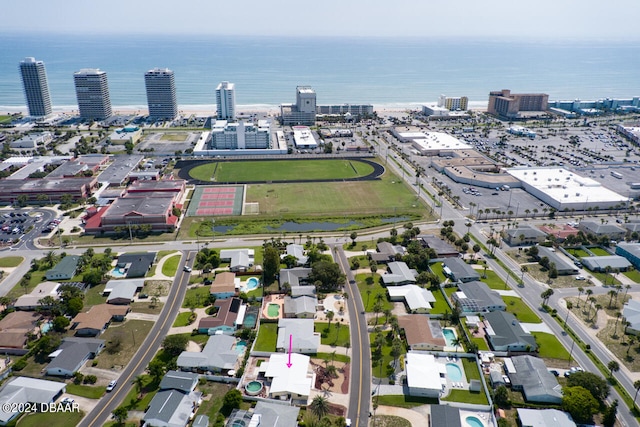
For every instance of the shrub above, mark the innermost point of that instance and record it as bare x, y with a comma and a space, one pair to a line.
19, 365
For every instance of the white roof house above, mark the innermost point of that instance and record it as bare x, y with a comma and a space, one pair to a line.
303, 337
399, 274
23, 390
544, 418
122, 291
417, 299
217, 355
238, 259
424, 376
30, 301
296, 251
294, 381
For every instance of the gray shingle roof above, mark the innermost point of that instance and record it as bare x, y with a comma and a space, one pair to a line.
74, 352
507, 330
538, 384
218, 353
479, 296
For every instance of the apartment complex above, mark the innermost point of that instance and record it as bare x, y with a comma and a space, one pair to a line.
239, 135
353, 109
304, 110
92, 91
460, 103
161, 93
509, 105
226, 101
36, 87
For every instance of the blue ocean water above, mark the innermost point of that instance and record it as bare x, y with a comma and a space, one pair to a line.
383, 72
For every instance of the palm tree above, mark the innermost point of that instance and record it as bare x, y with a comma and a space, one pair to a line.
595, 314
636, 385
613, 366
611, 294
330, 315
569, 307
387, 314
580, 291
588, 293
319, 406
138, 382
615, 327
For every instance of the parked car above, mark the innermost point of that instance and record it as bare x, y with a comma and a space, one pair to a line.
187, 269
112, 385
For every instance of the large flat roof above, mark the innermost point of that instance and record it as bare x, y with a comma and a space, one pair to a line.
435, 141
423, 371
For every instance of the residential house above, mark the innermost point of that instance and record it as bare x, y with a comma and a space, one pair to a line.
65, 269
398, 273
306, 290
559, 233
20, 390
239, 259
544, 418
272, 414
303, 337
302, 307
425, 377
136, 264
563, 266
531, 376
422, 333
31, 301
97, 319
223, 286
293, 277
386, 253
15, 329
289, 380
416, 299
296, 251
229, 317
121, 292
477, 297
506, 334
218, 356
459, 271
524, 235
439, 246
72, 354
600, 263
631, 251
176, 402
445, 416
598, 229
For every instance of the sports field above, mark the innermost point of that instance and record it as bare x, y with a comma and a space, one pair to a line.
385, 196
281, 170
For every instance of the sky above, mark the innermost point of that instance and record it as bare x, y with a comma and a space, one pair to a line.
574, 19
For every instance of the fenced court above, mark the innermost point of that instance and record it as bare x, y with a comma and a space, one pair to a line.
216, 200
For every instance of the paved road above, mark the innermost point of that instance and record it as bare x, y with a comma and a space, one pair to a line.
147, 350
360, 381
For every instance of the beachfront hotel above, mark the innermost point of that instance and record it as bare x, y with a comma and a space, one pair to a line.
504, 104
36, 87
304, 110
92, 91
161, 93
226, 101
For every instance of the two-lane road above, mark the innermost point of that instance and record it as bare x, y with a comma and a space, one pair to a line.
360, 382
147, 350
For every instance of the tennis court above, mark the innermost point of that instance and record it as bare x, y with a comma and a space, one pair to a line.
216, 200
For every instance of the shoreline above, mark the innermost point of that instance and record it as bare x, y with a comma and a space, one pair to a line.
210, 110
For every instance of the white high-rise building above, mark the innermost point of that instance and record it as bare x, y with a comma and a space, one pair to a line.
161, 93
36, 87
226, 101
304, 111
92, 91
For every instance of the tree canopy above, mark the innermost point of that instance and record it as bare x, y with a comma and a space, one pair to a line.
175, 344
327, 275
579, 402
270, 264
597, 386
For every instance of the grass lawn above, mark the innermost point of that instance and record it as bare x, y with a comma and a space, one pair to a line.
437, 270
521, 310
93, 296
550, 347
36, 278
146, 307
568, 281
599, 252
390, 421
149, 389
379, 368
493, 281
131, 333
174, 137
387, 195
334, 336
470, 369
56, 419
88, 391
578, 253
440, 306
336, 357
405, 401
369, 299
5, 118
170, 265
281, 170
633, 275
10, 261
196, 297
466, 396
182, 319
267, 337
213, 397
481, 343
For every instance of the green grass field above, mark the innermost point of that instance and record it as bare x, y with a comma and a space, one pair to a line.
174, 137
369, 299
335, 336
170, 265
11, 261
599, 252
56, 419
5, 119
267, 337
387, 195
550, 347
281, 170
521, 310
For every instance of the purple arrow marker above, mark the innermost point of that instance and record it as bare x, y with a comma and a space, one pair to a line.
290, 343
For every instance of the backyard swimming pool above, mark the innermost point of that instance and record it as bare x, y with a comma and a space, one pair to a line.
241, 347
449, 337
473, 422
454, 373
249, 320
252, 283
118, 272
273, 310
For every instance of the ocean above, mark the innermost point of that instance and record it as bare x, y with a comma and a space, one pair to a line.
385, 72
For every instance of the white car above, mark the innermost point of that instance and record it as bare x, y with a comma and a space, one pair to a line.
67, 401
580, 278
187, 269
112, 385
